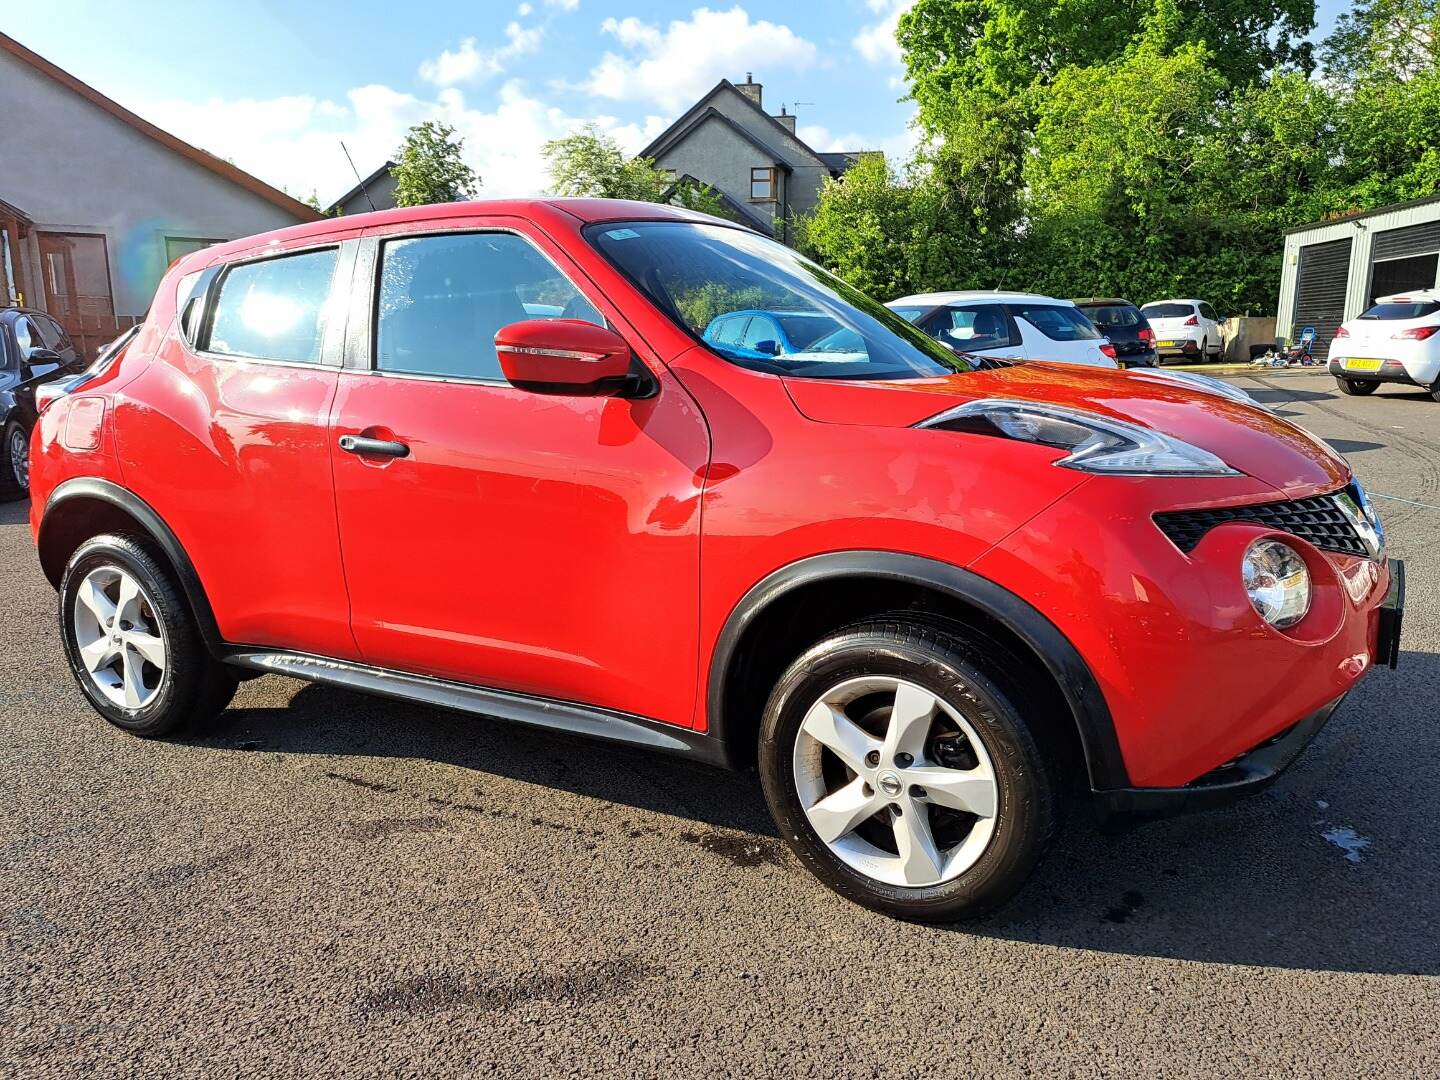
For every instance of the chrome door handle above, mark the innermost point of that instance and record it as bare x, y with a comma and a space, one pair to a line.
359, 444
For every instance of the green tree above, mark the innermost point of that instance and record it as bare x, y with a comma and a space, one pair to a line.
590, 164
955, 48
429, 167
1397, 39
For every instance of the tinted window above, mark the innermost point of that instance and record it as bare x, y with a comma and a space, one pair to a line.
274, 310
27, 337
52, 334
696, 273
1112, 315
443, 298
1207, 311
1168, 311
1409, 309
1056, 322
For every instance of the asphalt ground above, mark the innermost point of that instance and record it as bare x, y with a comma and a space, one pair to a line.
323, 884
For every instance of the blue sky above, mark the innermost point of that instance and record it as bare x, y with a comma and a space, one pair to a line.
276, 86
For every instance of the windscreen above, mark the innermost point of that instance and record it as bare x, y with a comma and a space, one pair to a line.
702, 275
1403, 309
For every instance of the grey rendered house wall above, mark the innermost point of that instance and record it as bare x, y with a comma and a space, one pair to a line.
72, 167
382, 194
802, 187
724, 159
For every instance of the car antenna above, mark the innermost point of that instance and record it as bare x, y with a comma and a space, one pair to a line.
356, 171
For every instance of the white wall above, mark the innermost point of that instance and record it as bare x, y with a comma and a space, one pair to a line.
72, 167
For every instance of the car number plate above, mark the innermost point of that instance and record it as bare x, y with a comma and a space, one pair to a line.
1358, 363
1165, 344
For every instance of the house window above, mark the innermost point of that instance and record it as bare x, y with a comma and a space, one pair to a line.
178, 246
762, 185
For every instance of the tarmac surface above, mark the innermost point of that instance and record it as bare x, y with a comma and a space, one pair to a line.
323, 884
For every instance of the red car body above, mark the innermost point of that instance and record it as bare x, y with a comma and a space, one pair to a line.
628, 554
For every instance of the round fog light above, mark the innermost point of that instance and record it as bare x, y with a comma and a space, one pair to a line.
1278, 582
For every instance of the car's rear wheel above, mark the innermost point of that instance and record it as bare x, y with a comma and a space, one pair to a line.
1357, 387
14, 461
132, 642
899, 764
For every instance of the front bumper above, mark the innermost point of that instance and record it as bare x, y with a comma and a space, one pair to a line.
1255, 770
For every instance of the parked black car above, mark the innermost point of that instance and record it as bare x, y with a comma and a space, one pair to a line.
1126, 327
34, 349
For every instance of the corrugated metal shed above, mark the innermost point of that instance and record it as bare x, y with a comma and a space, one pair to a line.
1379, 251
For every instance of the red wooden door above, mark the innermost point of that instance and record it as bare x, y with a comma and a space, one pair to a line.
75, 272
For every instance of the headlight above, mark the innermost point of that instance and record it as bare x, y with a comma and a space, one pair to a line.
1278, 582
1096, 444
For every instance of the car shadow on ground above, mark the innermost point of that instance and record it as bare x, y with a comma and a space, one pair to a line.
1353, 446
1291, 878
1280, 396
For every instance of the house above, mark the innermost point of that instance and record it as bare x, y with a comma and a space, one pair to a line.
1333, 270
95, 202
375, 192
763, 171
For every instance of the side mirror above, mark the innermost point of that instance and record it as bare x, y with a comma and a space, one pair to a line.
768, 347
38, 357
565, 356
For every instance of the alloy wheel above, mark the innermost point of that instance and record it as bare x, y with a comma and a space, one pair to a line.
895, 782
20, 458
120, 639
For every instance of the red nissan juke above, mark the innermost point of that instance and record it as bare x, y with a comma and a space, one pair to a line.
481, 456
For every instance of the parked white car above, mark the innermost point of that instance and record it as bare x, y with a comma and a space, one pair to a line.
1397, 340
1009, 326
1185, 328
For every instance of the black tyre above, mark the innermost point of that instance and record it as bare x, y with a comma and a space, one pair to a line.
132, 642
14, 462
898, 762
1356, 387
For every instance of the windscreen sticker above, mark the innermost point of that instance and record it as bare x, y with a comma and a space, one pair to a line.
621, 234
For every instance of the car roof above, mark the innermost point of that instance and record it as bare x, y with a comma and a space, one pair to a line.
586, 211
937, 298
1414, 295
1173, 300
781, 314
1098, 301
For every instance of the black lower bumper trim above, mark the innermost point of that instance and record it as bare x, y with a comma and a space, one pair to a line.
1392, 616
1384, 375
1246, 775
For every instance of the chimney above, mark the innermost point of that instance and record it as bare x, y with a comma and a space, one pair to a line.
751, 89
785, 120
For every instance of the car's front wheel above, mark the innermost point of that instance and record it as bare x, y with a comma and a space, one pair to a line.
1357, 387
898, 762
14, 461
132, 643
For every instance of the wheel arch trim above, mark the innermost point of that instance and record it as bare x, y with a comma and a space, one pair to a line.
107, 491
1104, 763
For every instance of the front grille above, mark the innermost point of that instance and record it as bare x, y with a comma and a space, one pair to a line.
1318, 520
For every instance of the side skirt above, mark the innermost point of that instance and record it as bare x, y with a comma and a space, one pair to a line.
566, 716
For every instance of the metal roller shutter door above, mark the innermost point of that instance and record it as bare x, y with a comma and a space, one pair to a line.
1320, 290
1420, 239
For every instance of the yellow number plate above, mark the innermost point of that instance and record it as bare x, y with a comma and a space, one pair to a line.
1165, 344
1355, 363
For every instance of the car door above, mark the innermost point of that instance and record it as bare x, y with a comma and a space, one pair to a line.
541, 544
226, 435
1213, 333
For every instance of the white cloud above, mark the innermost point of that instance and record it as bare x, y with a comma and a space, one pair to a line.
876, 41
523, 10
563, 5
470, 63
674, 66
897, 147
294, 142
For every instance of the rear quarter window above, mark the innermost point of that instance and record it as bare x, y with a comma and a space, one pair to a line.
275, 309
1056, 322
